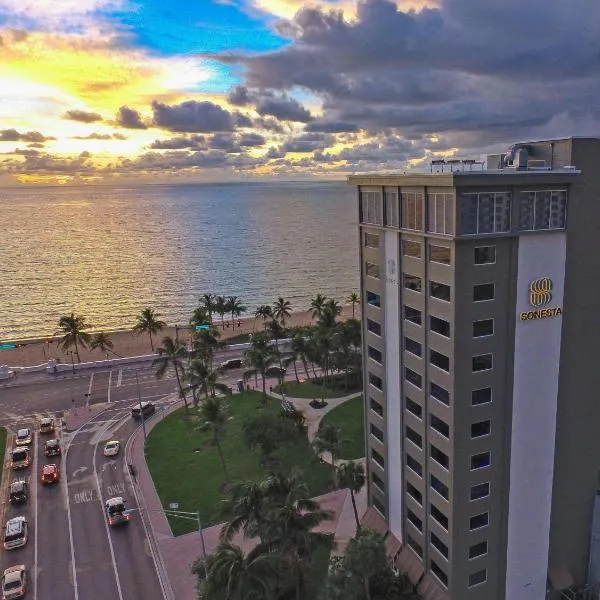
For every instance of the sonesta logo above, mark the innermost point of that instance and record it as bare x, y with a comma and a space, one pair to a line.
540, 293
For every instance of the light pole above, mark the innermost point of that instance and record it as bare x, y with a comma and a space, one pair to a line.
192, 516
70, 352
137, 379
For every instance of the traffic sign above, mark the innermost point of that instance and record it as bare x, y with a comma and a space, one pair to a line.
203, 327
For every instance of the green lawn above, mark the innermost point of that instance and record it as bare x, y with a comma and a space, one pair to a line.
349, 417
311, 388
187, 470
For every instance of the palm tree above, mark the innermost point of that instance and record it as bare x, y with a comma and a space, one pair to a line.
260, 358
220, 307
214, 412
282, 310
245, 511
351, 475
235, 307
171, 355
316, 305
71, 329
365, 557
299, 349
277, 332
102, 342
328, 439
199, 316
330, 311
206, 343
207, 301
201, 376
148, 322
353, 299
264, 312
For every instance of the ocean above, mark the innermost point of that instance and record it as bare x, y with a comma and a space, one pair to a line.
106, 253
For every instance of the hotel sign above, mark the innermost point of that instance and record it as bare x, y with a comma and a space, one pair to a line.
540, 294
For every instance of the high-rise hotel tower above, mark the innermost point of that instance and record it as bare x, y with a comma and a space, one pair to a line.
481, 333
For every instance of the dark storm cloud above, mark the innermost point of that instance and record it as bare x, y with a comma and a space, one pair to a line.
239, 96
331, 126
192, 116
283, 108
251, 140
82, 116
308, 142
130, 118
179, 143
12, 135
47, 163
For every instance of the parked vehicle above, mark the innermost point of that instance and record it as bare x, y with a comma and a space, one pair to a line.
144, 410
19, 492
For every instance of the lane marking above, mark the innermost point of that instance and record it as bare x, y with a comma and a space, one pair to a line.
109, 383
89, 394
120, 378
79, 470
35, 520
117, 489
84, 496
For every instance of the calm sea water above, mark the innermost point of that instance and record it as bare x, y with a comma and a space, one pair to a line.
106, 253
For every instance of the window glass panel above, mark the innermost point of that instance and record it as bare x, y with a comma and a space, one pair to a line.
412, 211
391, 207
480, 428
375, 354
485, 255
372, 207
413, 407
372, 270
478, 578
558, 210
413, 377
371, 240
376, 381
410, 515
483, 328
439, 326
438, 516
376, 432
439, 545
373, 299
376, 407
468, 213
483, 362
541, 215
502, 212
410, 248
414, 465
439, 213
412, 282
439, 456
439, 254
526, 208
439, 393
481, 490
440, 426
437, 571
480, 461
484, 291
377, 481
439, 290
479, 521
414, 545
374, 327
412, 491
414, 437
378, 505
486, 213
412, 314
441, 488
439, 360
377, 458
412, 346
478, 550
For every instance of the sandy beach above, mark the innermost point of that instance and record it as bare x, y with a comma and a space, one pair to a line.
127, 343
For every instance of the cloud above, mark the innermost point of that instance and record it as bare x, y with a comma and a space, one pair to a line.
251, 140
12, 135
283, 108
36, 162
239, 96
179, 143
308, 142
130, 118
101, 136
193, 116
331, 126
82, 116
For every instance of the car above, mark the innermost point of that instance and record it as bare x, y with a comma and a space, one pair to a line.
112, 448
47, 425
15, 533
232, 363
50, 474
19, 492
52, 448
24, 437
115, 511
144, 409
14, 582
20, 458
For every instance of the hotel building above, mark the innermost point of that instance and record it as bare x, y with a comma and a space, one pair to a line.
481, 336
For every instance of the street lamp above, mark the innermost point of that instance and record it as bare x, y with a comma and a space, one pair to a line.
70, 352
137, 379
192, 516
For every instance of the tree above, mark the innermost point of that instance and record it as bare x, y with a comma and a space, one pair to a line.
268, 432
214, 413
199, 316
208, 301
264, 312
245, 511
235, 307
201, 376
102, 342
172, 355
260, 357
353, 299
316, 305
299, 350
73, 334
351, 475
148, 322
330, 311
220, 307
282, 309
206, 343
277, 332
328, 439
366, 557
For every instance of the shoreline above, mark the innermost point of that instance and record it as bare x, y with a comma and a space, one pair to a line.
36, 351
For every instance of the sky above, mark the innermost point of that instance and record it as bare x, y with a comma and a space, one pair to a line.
148, 91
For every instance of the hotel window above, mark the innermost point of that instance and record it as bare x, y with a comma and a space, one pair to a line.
410, 515
481, 429
480, 461
414, 465
483, 362
376, 432
438, 545
412, 249
440, 457
375, 354
414, 437
542, 210
391, 207
487, 212
413, 407
440, 426
439, 393
483, 328
441, 291
372, 270
412, 346
440, 326
477, 550
373, 299
483, 292
440, 213
378, 505
413, 377
480, 490
371, 240
371, 207
377, 458
413, 315
478, 578
485, 255
412, 211
412, 282
378, 482
482, 396
376, 381
441, 489
437, 571
376, 407
479, 521
439, 360
438, 516
414, 493
414, 545
374, 327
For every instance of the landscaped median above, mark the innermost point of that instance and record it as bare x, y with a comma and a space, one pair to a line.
186, 467
313, 388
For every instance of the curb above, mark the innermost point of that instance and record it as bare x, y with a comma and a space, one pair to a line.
6, 476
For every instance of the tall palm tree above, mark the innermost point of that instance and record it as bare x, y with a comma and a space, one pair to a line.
351, 475
148, 322
245, 511
172, 355
202, 377
102, 342
214, 412
316, 305
220, 307
276, 331
207, 301
259, 357
282, 309
328, 439
299, 349
73, 334
235, 307
206, 343
264, 312
353, 299
199, 316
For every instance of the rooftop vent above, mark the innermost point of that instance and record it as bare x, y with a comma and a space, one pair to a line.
453, 165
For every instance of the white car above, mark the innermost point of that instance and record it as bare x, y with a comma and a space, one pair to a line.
112, 448
23, 437
14, 582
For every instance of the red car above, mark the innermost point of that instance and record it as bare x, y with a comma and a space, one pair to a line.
50, 474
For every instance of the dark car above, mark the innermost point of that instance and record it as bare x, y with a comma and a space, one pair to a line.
143, 409
52, 448
19, 492
232, 363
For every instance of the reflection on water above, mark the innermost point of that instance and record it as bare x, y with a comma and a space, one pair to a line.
106, 253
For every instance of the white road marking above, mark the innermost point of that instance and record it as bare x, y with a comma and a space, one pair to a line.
109, 383
87, 399
117, 489
84, 496
79, 470
120, 378
35, 520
